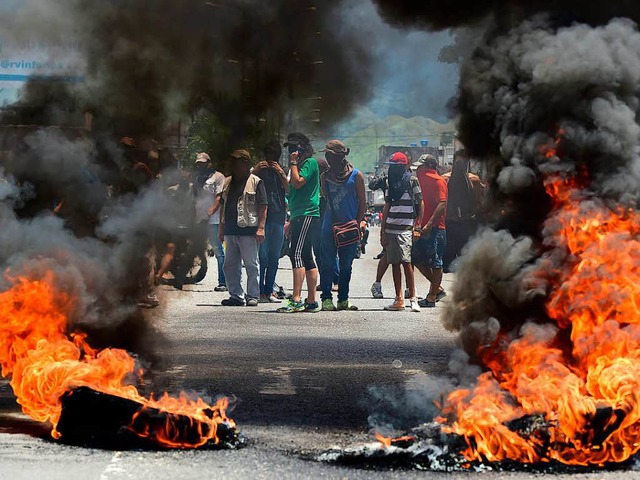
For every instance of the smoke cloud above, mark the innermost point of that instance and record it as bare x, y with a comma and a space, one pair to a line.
145, 63
547, 88
76, 202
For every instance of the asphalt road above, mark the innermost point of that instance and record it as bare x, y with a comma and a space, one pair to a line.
303, 383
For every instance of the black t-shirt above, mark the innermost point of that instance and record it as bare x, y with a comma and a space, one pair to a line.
277, 211
236, 189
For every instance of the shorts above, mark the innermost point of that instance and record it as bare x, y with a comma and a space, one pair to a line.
429, 250
304, 231
398, 249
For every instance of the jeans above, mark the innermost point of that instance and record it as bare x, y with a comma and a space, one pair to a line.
327, 273
317, 251
242, 249
270, 256
218, 251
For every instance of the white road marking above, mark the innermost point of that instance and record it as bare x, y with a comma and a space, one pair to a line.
115, 469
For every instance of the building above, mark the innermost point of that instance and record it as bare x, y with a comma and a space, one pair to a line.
413, 152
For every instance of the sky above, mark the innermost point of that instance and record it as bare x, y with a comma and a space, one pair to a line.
408, 78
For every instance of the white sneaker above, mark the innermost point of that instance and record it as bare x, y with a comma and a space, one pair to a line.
414, 305
376, 290
274, 299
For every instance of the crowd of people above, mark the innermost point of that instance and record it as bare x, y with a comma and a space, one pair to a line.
317, 214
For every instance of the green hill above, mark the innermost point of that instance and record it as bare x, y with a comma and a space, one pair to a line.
364, 133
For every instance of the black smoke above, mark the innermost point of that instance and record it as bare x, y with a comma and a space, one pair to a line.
438, 15
547, 90
534, 70
149, 62
79, 202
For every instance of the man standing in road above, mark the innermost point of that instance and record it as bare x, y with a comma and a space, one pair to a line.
243, 218
343, 187
304, 206
213, 186
402, 217
429, 249
465, 203
277, 187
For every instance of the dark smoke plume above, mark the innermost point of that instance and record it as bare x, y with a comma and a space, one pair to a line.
79, 203
521, 94
149, 61
540, 67
437, 15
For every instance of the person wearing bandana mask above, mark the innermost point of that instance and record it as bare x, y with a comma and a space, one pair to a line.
403, 212
304, 206
343, 187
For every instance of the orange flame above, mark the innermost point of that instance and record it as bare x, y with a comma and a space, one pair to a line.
582, 375
387, 442
44, 362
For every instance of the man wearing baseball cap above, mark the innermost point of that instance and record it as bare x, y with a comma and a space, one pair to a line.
243, 218
213, 187
402, 218
343, 188
428, 250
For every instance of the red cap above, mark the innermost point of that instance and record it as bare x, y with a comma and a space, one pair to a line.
398, 158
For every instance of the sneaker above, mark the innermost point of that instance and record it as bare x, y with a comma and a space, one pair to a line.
291, 307
252, 302
397, 306
328, 306
414, 305
149, 301
440, 295
220, 288
346, 305
312, 307
281, 294
427, 304
273, 298
376, 290
232, 302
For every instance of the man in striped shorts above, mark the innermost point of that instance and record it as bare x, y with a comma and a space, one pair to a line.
304, 205
403, 211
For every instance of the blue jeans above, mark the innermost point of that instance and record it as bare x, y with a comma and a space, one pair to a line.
345, 257
218, 251
317, 251
270, 256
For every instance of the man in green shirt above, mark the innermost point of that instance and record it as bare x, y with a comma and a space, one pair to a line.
304, 205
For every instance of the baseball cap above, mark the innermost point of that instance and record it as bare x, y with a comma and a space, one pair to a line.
297, 138
242, 154
203, 157
427, 160
398, 158
337, 147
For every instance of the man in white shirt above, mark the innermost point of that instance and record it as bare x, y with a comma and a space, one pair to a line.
213, 187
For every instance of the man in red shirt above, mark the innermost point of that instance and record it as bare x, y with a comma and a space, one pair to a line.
429, 249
